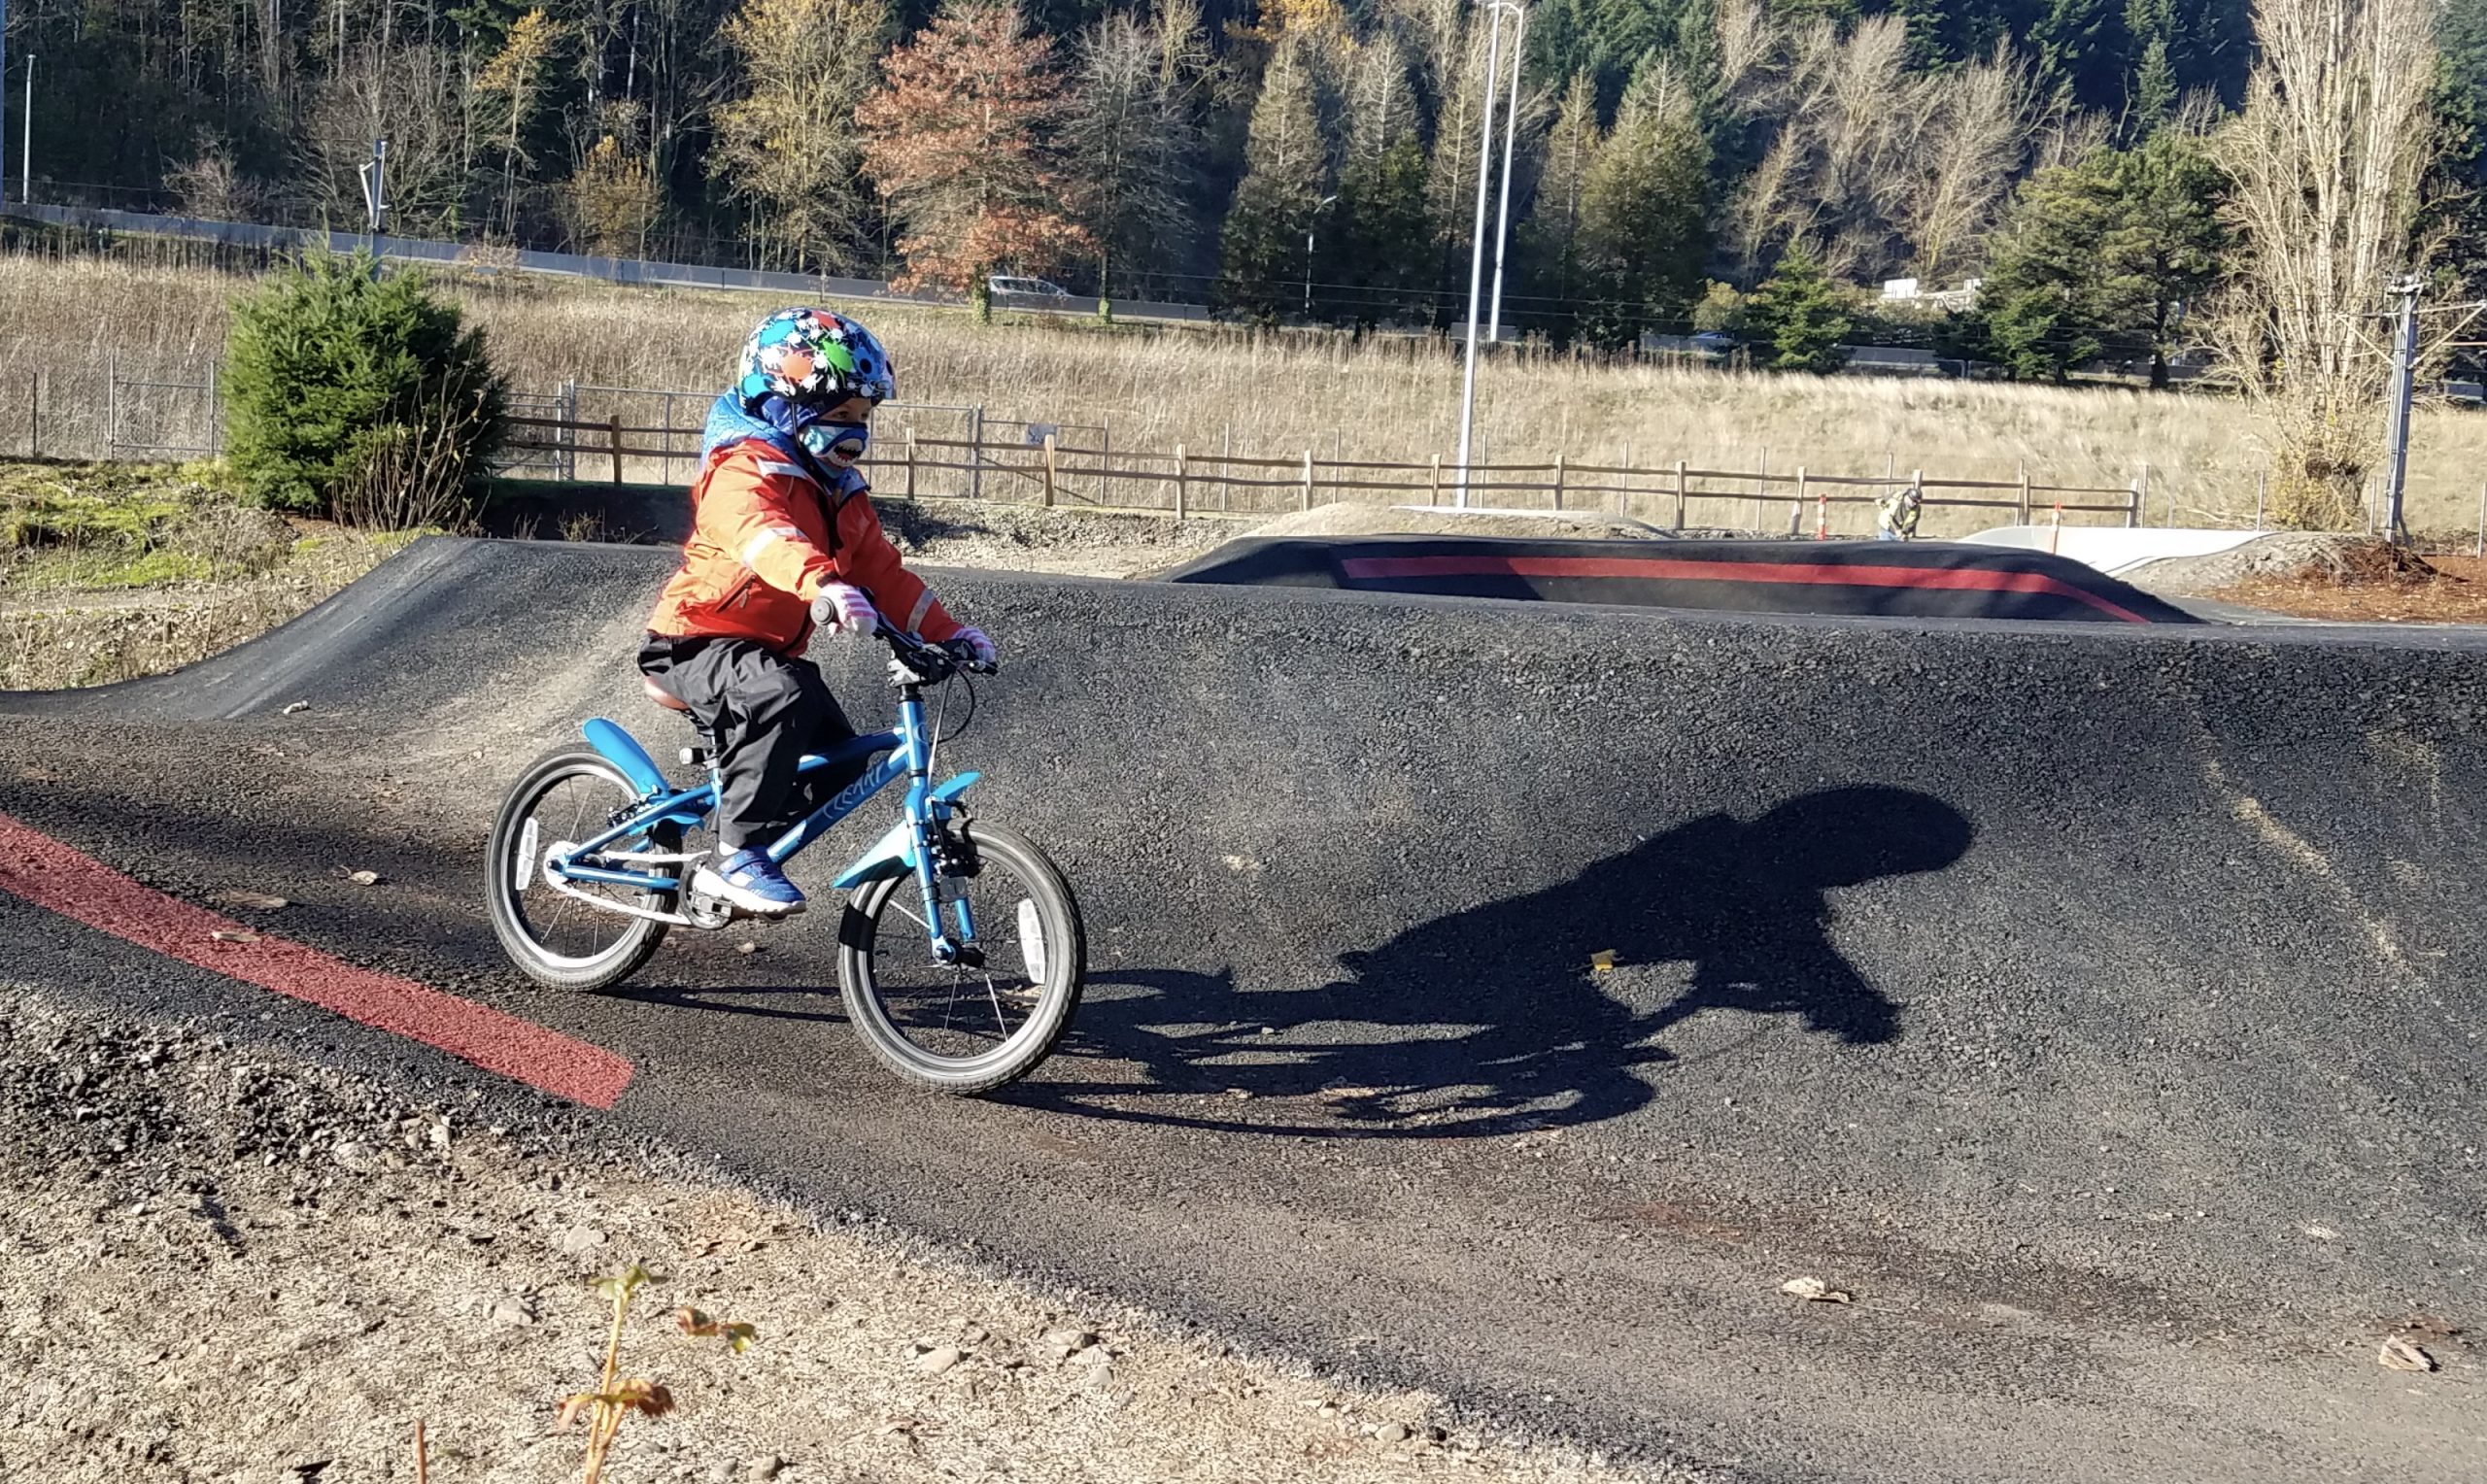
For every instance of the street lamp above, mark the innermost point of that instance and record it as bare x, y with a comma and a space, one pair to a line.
1308, 252
1476, 237
1503, 214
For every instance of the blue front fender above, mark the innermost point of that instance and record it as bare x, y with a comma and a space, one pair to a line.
894, 853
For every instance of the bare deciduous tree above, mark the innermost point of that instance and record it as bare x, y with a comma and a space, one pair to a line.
2325, 160
211, 186
1876, 166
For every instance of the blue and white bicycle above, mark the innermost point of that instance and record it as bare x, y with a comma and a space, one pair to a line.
961, 952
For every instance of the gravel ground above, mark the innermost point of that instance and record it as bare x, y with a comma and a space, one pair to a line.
223, 1264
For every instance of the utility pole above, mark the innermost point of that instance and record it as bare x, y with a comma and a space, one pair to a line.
375, 191
26, 140
1503, 217
2404, 385
1476, 237
1308, 252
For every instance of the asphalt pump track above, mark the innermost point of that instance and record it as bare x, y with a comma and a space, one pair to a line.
1505, 997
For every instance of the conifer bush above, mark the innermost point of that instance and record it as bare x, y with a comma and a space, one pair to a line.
360, 395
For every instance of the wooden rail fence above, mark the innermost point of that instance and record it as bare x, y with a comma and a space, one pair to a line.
1189, 485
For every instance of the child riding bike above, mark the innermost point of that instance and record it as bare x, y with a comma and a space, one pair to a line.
784, 540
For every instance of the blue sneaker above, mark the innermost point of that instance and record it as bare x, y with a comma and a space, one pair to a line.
748, 880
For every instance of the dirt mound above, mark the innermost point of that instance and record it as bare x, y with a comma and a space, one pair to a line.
1350, 519
2279, 555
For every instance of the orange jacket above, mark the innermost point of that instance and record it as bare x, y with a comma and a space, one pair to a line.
764, 539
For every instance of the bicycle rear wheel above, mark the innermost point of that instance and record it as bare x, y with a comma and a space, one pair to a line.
956, 1029
554, 936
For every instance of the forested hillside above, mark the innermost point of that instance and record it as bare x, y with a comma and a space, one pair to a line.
1671, 152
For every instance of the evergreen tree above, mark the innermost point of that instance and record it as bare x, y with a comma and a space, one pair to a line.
2105, 253
2151, 25
1263, 266
1549, 240
1643, 234
2162, 252
332, 365
2045, 298
2081, 52
1801, 314
2458, 199
1379, 237
1934, 40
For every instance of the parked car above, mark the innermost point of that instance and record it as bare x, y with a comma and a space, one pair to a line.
1003, 285
1713, 342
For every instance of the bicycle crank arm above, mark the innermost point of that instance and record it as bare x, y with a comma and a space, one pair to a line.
607, 904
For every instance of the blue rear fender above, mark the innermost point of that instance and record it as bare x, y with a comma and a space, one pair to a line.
894, 853
623, 750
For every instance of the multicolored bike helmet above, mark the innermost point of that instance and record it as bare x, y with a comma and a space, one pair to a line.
815, 359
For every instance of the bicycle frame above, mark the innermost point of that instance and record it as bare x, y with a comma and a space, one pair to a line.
910, 847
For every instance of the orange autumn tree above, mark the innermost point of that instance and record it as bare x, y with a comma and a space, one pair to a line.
960, 141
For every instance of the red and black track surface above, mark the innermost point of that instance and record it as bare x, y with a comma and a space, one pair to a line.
1500, 997
1855, 579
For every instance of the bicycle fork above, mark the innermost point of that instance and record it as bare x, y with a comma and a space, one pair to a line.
935, 887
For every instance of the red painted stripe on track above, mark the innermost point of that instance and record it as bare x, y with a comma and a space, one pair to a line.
1681, 569
50, 874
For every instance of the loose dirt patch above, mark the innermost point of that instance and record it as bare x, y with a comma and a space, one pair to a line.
220, 1262
2372, 583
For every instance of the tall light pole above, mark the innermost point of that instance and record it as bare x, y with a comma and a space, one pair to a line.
1476, 237
4, 112
26, 140
1308, 252
1503, 216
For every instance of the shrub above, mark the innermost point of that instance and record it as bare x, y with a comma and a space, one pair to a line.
337, 375
1802, 315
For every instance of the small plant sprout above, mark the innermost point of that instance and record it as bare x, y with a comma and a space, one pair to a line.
699, 1326
617, 1396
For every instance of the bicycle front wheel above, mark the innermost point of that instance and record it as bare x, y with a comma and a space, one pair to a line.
953, 1027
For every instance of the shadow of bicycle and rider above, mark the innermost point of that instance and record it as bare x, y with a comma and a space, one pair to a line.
1540, 1010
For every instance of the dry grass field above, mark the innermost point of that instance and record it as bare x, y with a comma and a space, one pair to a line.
1264, 395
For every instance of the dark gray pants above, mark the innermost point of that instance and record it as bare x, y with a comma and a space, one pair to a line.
761, 711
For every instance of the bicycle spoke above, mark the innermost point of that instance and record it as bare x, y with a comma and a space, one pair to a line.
954, 1011
566, 920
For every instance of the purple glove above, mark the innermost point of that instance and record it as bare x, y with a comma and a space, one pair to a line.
845, 608
978, 647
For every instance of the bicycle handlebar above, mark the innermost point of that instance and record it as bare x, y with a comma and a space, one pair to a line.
935, 662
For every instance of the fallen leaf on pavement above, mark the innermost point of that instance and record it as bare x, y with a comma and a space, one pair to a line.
1815, 1291
238, 897
2399, 1355
223, 936
364, 877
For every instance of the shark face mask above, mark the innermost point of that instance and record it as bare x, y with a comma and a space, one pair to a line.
837, 444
